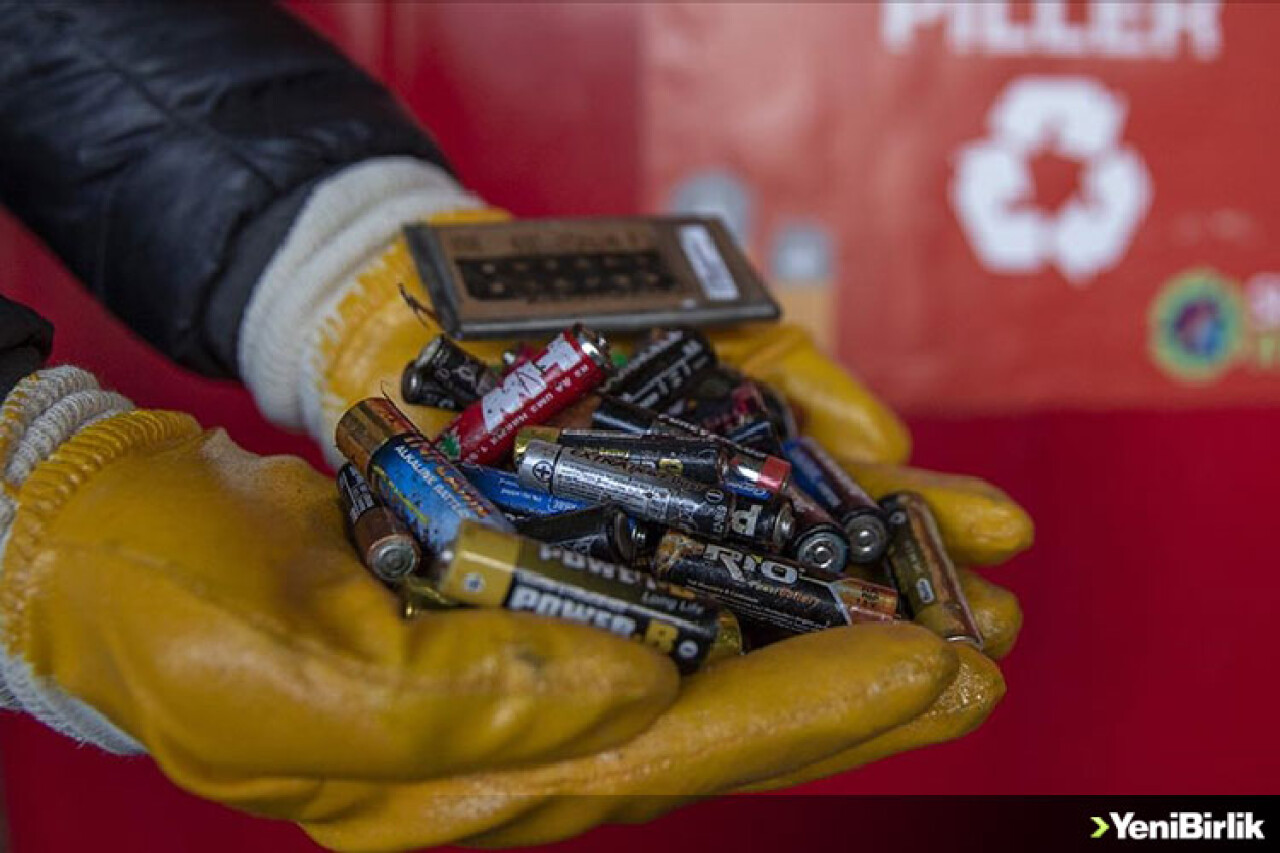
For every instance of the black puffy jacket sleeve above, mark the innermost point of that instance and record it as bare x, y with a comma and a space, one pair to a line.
162, 149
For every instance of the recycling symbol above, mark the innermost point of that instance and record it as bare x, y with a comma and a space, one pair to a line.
992, 190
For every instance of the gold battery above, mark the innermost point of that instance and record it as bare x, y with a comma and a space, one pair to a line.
368, 425
923, 572
485, 567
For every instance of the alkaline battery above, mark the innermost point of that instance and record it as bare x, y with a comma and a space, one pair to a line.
662, 368
819, 542
769, 592
574, 362
511, 496
603, 531
816, 473
682, 455
747, 468
446, 373
409, 476
489, 568
384, 544
924, 573
645, 494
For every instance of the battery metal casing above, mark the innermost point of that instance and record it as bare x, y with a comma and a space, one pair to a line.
489, 568
673, 501
821, 477
924, 573
683, 456
662, 368
411, 478
385, 545
770, 592
574, 362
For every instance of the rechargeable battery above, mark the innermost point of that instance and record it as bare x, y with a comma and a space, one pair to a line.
923, 572
815, 472
603, 531
446, 373
385, 545
674, 501
574, 362
411, 478
506, 492
683, 456
768, 592
489, 568
662, 368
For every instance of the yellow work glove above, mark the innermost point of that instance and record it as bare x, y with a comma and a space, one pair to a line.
163, 591
804, 708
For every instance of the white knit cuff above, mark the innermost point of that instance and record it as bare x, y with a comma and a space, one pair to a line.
348, 221
44, 410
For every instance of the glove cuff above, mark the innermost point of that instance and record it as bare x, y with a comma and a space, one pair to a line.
57, 428
348, 222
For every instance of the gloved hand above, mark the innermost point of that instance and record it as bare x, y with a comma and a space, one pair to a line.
163, 590
767, 720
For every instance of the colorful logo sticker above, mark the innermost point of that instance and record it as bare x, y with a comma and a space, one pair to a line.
1197, 325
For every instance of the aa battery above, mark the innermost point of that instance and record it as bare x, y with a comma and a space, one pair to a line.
602, 531
574, 362
923, 572
411, 478
769, 592
446, 376
489, 568
662, 369
508, 494
674, 501
683, 456
384, 544
748, 468
815, 472
819, 542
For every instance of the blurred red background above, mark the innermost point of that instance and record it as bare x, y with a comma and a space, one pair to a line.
1150, 590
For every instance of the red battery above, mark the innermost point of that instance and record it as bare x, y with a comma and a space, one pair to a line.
574, 362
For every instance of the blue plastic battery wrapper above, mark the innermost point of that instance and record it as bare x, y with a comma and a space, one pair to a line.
428, 492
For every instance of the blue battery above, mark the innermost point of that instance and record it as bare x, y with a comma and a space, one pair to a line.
506, 491
428, 492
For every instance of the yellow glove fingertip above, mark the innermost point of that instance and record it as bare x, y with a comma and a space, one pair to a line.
997, 611
962, 706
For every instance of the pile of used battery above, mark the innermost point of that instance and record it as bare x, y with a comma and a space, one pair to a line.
670, 499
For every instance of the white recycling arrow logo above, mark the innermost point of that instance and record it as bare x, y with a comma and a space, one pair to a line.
992, 189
